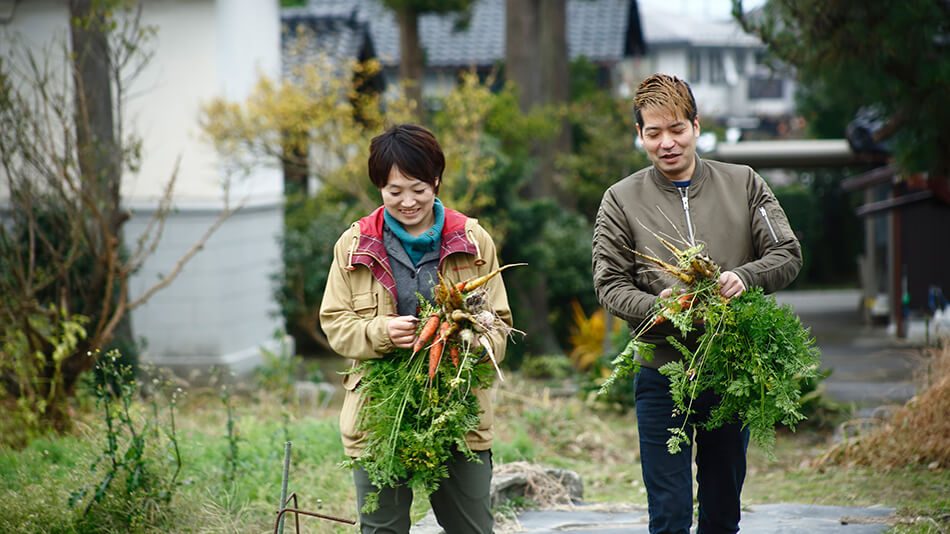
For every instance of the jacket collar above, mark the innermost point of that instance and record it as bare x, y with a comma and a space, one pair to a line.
700, 173
368, 248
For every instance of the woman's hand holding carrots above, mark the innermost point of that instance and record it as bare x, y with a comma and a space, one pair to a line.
402, 330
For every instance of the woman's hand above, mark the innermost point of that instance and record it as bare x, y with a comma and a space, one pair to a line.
402, 330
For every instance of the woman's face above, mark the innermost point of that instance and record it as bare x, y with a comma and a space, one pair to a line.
409, 201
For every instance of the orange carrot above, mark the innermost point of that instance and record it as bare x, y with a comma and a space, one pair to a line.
432, 324
435, 356
454, 354
686, 301
435, 351
479, 281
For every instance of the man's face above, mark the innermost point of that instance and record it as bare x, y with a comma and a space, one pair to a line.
670, 142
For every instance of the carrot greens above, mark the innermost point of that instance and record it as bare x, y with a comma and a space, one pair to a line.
752, 353
419, 407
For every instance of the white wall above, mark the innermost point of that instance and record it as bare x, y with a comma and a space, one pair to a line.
220, 309
204, 49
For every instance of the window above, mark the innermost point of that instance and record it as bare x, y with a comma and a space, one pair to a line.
717, 73
741, 57
762, 87
694, 64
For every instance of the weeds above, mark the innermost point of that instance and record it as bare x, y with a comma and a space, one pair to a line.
125, 456
231, 454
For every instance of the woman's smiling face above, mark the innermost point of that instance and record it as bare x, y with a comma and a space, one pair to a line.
409, 201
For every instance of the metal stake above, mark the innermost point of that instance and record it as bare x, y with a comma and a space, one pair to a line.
283, 487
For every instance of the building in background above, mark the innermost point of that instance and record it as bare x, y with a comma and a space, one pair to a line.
219, 311
726, 69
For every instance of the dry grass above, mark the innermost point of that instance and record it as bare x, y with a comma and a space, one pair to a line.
917, 433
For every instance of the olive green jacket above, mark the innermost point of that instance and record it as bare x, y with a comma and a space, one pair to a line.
360, 299
728, 208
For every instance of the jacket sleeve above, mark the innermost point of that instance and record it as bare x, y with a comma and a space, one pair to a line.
353, 330
497, 295
614, 264
778, 253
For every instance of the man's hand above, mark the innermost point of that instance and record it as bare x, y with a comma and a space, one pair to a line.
730, 285
402, 330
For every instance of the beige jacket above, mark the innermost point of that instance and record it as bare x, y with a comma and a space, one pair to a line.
360, 298
729, 208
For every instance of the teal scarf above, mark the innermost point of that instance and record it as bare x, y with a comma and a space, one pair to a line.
416, 247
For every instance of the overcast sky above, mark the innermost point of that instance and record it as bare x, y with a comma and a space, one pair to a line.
716, 9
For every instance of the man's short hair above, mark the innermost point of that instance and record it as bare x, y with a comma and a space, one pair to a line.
411, 148
665, 92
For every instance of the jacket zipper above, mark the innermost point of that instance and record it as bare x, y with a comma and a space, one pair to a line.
684, 194
768, 223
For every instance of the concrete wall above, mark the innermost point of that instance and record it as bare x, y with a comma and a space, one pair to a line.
219, 310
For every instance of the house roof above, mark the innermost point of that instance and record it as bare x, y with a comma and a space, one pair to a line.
597, 29
662, 29
333, 30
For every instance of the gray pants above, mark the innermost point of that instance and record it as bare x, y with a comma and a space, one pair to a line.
462, 504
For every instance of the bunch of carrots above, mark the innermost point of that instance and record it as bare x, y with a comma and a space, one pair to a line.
414, 424
699, 277
461, 322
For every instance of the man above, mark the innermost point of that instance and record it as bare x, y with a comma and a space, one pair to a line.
729, 209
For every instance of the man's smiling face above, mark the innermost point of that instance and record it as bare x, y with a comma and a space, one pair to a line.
670, 142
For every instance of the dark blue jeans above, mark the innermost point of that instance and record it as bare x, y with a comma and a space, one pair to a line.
720, 462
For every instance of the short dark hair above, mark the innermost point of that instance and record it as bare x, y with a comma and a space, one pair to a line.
667, 92
412, 149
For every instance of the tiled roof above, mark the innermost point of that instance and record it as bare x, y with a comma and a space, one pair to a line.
335, 32
596, 29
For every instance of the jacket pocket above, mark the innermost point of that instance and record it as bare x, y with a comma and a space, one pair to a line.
353, 403
768, 223
773, 222
365, 304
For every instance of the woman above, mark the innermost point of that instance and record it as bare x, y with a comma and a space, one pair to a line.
370, 307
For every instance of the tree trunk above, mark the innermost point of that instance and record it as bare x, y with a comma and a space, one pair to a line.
522, 66
411, 57
521, 50
555, 90
99, 156
94, 122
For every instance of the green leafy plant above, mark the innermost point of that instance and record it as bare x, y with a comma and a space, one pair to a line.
33, 377
413, 423
755, 356
753, 353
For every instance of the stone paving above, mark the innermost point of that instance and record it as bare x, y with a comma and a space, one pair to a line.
870, 369
756, 519
764, 519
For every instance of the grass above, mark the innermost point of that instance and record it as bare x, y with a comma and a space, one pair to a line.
532, 424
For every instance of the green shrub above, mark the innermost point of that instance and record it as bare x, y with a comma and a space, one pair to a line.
551, 366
